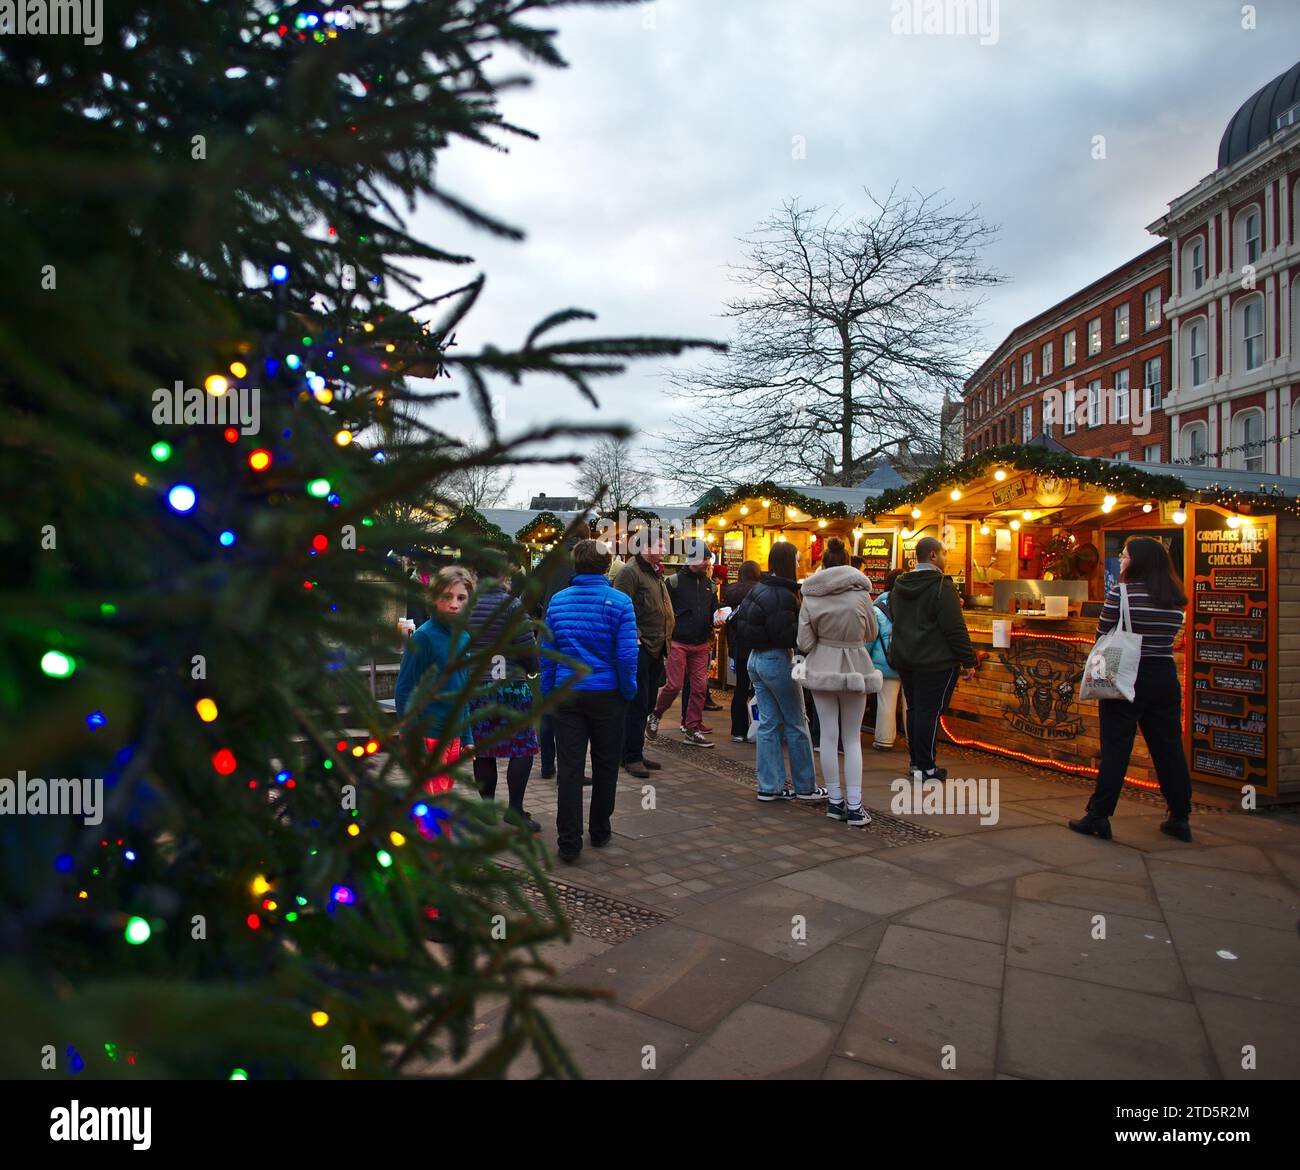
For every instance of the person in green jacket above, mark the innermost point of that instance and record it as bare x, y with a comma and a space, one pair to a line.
929, 647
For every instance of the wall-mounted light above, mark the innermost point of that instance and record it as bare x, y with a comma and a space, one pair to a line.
1180, 513
907, 533
984, 529
916, 513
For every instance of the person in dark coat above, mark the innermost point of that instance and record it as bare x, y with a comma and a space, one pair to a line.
733, 596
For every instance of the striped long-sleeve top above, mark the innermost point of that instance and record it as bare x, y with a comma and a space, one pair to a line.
1157, 626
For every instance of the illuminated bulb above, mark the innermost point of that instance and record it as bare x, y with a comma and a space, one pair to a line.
207, 710
57, 664
1179, 516
384, 858
319, 488
216, 385
722, 522
1234, 521
397, 838
279, 273
161, 451
744, 509
955, 494
259, 886
137, 931
907, 533
293, 361
238, 1074
320, 1019
984, 530
259, 460
767, 503
389, 347
1110, 500
1015, 525
239, 369
182, 498
1146, 507
1026, 515
324, 395
916, 513
354, 831
1108, 508
358, 751
369, 328
999, 475
821, 523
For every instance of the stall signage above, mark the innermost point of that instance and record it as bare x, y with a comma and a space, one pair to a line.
877, 552
1231, 670
1004, 493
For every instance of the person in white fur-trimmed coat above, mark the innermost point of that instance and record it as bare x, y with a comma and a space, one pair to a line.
837, 624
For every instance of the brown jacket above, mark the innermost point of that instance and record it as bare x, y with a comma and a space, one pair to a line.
653, 606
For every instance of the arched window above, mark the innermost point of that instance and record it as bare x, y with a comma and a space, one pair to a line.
1195, 351
1248, 332
1248, 433
1193, 265
1247, 243
1191, 446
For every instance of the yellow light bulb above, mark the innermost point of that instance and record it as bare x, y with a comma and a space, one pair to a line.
239, 369
354, 831
1015, 525
396, 838
259, 886
389, 347
984, 530
916, 513
767, 503
369, 328
999, 475
207, 710
821, 523
216, 385
744, 509
343, 438
1234, 521
324, 395
955, 494
320, 1019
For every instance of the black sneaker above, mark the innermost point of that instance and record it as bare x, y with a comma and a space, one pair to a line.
815, 794
652, 726
935, 774
784, 794
837, 812
858, 818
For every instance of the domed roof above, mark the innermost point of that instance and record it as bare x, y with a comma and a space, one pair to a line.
1256, 121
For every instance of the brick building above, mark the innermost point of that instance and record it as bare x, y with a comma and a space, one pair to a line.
1234, 247
1089, 373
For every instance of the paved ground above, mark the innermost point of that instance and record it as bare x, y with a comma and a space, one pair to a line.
741, 939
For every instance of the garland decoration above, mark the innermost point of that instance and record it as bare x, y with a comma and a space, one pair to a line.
715, 500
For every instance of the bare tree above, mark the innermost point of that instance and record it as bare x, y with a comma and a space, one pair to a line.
478, 487
848, 336
609, 476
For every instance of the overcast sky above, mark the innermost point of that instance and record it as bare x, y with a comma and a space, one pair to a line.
671, 135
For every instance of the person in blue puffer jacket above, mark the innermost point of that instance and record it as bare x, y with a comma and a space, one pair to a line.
887, 699
594, 624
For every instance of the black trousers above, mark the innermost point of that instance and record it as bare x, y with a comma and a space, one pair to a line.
740, 696
595, 718
649, 677
546, 740
928, 693
1157, 709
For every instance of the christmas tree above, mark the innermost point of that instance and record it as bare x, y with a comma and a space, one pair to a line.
210, 448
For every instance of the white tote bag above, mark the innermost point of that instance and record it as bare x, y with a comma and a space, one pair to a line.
1111, 668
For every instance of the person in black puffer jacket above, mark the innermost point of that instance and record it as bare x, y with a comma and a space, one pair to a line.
768, 623
733, 596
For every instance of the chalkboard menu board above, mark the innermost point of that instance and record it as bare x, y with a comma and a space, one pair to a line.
1231, 670
876, 548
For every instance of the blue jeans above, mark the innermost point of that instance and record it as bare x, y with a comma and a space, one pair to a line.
781, 715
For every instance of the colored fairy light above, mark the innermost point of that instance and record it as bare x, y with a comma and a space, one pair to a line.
270, 904
182, 498
259, 460
107, 609
129, 855
368, 327
224, 761
292, 916
215, 385
421, 810
230, 435
63, 863
96, 720
300, 900
282, 776
279, 273
207, 710
237, 1074
239, 369
955, 494
161, 451
324, 395
343, 438
227, 538
253, 922
137, 931
315, 382
358, 751
57, 664
354, 831
293, 361
372, 746
333, 498
342, 895
318, 488
1015, 525
320, 1019
397, 838
259, 885
320, 542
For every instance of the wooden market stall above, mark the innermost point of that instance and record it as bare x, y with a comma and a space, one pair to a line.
1034, 538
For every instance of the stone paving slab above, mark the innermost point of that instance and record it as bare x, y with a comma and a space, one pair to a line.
964, 862
839, 1068
824, 985
1244, 858
1058, 940
1258, 962
1240, 897
868, 885
970, 960
1093, 894
758, 1041
903, 1020
961, 916
1234, 1024
1058, 1028
679, 975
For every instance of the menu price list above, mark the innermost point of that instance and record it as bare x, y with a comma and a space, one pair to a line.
1229, 667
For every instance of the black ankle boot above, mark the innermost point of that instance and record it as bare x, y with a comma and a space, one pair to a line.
1177, 827
1092, 824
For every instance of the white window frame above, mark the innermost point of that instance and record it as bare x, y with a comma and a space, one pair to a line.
1094, 337
1151, 453
1194, 264
1150, 300
1027, 368
1121, 323
1094, 403
1153, 401
1070, 348
1248, 460
1198, 325
1049, 415
1252, 344
1068, 421
1047, 360
1189, 430
1122, 457
1026, 423
1250, 245
1121, 396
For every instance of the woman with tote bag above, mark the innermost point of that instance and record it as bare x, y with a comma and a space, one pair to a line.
836, 625
1156, 605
